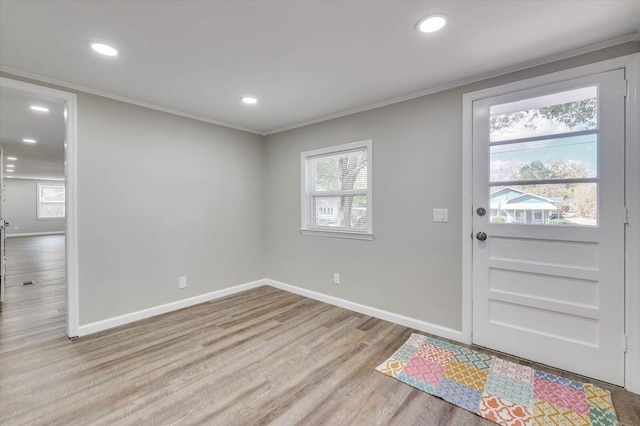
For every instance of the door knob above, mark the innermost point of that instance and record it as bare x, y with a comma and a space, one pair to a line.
481, 236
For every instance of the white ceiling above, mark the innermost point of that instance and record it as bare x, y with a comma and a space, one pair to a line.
303, 60
44, 159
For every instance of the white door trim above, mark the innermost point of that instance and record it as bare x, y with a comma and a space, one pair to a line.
71, 170
631, 64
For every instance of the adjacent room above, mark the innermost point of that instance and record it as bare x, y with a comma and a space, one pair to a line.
319, 212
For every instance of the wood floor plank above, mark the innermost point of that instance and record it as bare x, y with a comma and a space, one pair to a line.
263, 356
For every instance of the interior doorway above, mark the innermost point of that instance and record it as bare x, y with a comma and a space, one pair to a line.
38, 138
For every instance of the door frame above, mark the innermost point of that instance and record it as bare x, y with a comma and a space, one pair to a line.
631, 64
3, 231
71, 191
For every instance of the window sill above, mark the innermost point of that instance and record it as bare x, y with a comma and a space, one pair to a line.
337, 234
50, 218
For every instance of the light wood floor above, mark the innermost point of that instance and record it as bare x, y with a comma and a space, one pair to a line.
259, 357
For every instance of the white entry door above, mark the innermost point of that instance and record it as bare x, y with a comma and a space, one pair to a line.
548, 226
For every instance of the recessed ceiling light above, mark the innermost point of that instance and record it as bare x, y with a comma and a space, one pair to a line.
12, 158
29, 140
104, 49
249, 100
10, 166
432, 23
39, 108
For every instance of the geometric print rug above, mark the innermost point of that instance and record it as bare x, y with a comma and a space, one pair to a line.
496, 389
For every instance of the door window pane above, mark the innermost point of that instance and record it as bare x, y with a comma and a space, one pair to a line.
548, 204
570, 111
571, 157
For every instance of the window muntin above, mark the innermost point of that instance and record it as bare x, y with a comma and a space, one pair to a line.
336, 185
50, 201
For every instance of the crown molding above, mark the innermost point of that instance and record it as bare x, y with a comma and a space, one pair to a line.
85, 89
502, 71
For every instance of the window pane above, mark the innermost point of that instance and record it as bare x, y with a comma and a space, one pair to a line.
345, 171
569, 111
573, 157
551, 204
51, 193
52, 210
341, 212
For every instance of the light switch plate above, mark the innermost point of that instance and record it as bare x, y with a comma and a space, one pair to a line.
441, 215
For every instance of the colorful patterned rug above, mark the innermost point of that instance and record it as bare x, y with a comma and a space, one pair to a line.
498, 390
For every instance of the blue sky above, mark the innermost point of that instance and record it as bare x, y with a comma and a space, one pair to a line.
580, 149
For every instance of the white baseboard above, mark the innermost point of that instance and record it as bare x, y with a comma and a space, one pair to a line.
33, 234
437, 330
94, 327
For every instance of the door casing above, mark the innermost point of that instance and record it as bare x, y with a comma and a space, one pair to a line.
3, 268
631, 64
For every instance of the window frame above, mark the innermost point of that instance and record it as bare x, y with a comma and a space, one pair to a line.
39, 202
307, 192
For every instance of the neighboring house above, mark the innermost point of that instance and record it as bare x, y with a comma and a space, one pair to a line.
518, 206
328, 213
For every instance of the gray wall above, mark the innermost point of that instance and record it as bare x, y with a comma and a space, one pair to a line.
413, 267
160, 196
20, 208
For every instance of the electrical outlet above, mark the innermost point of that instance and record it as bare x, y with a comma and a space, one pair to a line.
336, 278
182, 281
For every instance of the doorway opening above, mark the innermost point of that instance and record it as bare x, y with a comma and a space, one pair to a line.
38, 207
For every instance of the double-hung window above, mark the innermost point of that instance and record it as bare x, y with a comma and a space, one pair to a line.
336, 191
50, 201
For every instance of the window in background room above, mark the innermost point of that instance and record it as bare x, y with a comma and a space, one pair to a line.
50, 201
336, 191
